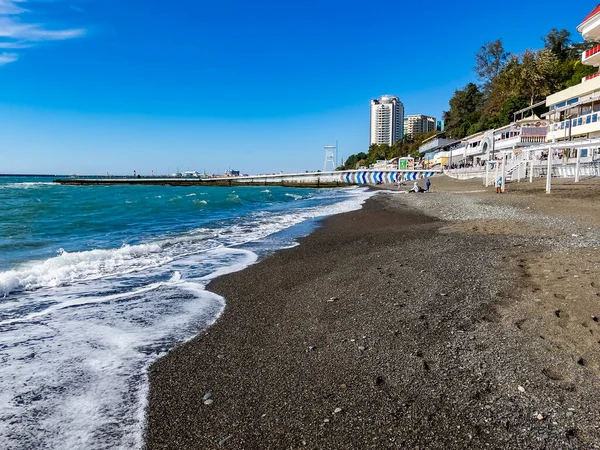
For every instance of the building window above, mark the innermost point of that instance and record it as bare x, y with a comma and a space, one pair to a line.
584, 153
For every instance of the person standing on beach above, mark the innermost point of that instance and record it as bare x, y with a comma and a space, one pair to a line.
499, 185
427, 185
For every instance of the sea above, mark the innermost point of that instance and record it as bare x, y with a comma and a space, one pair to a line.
97, 282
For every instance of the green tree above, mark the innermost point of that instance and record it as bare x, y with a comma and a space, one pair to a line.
578, 71
489, 61
559, 43
465, 111
377, 152
505, 114
354, 161
537, 74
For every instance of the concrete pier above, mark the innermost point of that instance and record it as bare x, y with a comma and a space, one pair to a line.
307, 179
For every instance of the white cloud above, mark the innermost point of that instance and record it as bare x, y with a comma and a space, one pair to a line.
7, 58
10, 7
15, 44
16, 32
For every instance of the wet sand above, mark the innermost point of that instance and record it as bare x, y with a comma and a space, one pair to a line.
410, 323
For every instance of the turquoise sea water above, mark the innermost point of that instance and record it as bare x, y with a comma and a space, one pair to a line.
97, 282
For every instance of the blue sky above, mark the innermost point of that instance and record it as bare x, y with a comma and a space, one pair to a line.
97, 86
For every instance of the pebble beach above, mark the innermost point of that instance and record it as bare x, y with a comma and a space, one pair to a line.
458, 318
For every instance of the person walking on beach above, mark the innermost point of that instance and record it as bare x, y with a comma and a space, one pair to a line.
427, 185
499, 185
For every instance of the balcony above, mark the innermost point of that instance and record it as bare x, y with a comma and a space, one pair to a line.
582, 125
590, 77
591, 57
590, 27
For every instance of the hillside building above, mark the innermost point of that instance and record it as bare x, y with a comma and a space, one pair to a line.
418, 124
574, 113
387, 117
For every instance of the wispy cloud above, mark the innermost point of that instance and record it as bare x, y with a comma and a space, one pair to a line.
17, 32
11, 7
6, 58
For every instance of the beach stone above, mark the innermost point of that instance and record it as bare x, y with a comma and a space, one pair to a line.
540, 417
337, 410
208, 402
569, 414
521, 389
326, 420
361, 348
220, 356
207, 396
225, 439
343, 386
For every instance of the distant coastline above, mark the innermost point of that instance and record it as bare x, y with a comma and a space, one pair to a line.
28, 175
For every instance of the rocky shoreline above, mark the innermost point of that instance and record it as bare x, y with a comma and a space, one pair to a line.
416, 322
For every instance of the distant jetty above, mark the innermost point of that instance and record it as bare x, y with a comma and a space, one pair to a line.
307, 179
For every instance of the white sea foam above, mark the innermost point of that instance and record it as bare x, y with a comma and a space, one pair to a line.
294, 196
68, 267
73, 374
28, 185
78, 331
233, 197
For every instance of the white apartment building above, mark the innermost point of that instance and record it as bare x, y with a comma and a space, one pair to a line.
387, 117
575, 111
417, 124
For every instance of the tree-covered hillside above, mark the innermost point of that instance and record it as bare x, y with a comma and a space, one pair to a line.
508, 83
511, 82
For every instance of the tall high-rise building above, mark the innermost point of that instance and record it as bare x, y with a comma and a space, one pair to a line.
387, 117
418, 124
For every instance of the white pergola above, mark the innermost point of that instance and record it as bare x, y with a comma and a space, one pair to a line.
550, 147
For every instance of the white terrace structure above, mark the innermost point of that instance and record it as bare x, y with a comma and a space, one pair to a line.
473, 151
440, 152
574, 113
432, 148
564, 143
